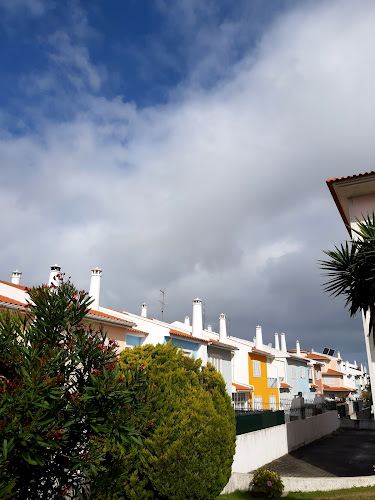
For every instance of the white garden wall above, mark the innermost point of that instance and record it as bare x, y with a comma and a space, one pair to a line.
258, 448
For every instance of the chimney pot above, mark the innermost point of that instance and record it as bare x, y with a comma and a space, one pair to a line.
16, 277
94, 292
222, 328
209, 328
144, 310
53, 280
277, 343
197, 321
187, 321
258, 337
283, 342
298, 348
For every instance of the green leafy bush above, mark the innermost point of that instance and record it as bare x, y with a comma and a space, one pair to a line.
266, 484
64, 402
190, 440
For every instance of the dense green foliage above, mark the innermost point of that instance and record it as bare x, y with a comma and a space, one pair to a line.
64, 402
190, 441
266, 484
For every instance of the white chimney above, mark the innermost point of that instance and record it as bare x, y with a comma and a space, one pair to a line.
258, 337
338, 355
16, 277
361, 367
94, 292
222, 328
277, 343
197, 321
144, 310
187, 321
283, 342
209, 328
355, 363
312, 351
298, 348
53, 280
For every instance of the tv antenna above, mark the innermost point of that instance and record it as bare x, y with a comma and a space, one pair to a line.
163, 303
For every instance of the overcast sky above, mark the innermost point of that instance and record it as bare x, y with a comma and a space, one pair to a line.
184, 146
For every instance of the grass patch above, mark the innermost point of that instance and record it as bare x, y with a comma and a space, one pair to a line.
364, 493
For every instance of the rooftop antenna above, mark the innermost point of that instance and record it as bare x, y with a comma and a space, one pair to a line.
162, 304
228, 326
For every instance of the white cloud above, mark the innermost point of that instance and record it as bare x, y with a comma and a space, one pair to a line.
219, 193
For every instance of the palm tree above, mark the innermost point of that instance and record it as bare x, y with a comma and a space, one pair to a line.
351, 270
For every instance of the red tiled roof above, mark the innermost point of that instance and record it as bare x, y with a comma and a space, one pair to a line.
137, 331
332, 372
284, 384
337, 389
8, 300
313, 385
93, 312
316, 356
222, 344
261, 353
240, 387
20, 287
365, 174
186, 335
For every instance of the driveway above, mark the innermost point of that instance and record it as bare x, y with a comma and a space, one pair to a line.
346, 452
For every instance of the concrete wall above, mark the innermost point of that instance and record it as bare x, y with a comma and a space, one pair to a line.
258, 448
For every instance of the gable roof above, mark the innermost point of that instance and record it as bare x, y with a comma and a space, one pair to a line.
186, 336
332, 372
7, 300
221, 345
108, 318
20, 287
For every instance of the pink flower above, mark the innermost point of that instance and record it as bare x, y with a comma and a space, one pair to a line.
143, 367
76, 297
269, 484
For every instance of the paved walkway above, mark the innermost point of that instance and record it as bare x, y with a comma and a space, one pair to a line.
343, 453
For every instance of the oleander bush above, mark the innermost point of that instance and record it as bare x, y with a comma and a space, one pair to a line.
65, 405
189, 441
266, 484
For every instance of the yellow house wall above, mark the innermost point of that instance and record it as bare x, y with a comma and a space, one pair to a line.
260, 383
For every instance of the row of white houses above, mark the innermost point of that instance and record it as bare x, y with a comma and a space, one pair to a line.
257, 375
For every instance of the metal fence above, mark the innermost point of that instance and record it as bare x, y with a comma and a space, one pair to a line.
294, 409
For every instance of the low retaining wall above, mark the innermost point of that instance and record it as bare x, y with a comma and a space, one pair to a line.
255, 449
348, 423
242, 482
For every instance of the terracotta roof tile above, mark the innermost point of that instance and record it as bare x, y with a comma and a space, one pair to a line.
337, 389
262, 353
8, 300
284, 385
20, 287
222, 344
332, 372
93, 312
137, 331
365, 174
316, 356
240, 387
186, 335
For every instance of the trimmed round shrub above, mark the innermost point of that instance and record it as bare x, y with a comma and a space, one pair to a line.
266, 484
190, 441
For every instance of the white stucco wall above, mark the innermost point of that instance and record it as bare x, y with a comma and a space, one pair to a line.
258, 448
13, 292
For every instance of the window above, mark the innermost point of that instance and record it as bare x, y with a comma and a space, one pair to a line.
187, 352
238, 397
256, 369
302, 371
258, 403
294, 372
216, 360
318, 375
272, 382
